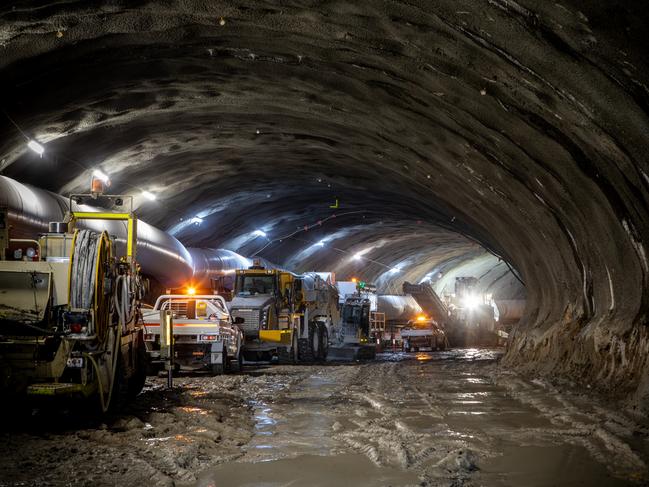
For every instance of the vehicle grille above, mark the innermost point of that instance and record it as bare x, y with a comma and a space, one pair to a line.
179, 308
251, 316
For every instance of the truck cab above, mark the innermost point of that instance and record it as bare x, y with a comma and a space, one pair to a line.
205, 336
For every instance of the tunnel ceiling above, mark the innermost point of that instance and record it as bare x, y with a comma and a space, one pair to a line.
446, 131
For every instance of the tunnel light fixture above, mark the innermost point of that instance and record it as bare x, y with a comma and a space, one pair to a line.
321, 243
197, 220
259, 233
358, 256
100, 175
149, 195
36, 147
394, 270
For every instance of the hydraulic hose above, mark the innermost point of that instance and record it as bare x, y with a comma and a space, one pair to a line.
123, 302
105, 404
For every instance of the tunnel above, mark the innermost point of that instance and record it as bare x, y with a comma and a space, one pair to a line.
388, 141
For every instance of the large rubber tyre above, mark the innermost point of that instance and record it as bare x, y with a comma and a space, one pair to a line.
288, 356
137, 380
323, 339
235, 365
306, 352
315, 341
120, 390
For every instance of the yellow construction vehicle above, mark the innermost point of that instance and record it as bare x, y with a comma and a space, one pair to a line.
284, 313
69, 312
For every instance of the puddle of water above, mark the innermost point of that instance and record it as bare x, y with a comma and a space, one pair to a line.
192, 410
264, 425
311, 470
305, 432
536, 466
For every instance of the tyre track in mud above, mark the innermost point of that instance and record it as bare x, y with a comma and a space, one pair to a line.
444, 418
610, 436
392, 395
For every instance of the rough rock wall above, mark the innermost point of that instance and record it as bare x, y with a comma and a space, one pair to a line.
521, 126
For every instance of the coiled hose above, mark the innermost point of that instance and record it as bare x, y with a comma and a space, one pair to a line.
82, 293
82, 274
123, 301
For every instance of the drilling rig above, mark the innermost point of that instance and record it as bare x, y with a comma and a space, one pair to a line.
70, 322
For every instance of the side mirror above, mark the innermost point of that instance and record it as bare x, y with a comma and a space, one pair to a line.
238, 320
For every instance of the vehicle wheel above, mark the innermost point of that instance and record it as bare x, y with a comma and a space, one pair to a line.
323, 339
286, 355
151, 368
137, 380
316, 341
120, 389
306, 352
219, 369
236, 364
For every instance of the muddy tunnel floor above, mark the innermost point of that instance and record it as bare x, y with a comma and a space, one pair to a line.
432, 418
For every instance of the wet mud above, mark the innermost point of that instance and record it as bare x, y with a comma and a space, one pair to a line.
433, 418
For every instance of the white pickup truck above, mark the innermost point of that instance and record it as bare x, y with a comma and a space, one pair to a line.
205, 336
423, 333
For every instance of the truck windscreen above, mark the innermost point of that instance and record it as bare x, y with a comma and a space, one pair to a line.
250, 285
351, 314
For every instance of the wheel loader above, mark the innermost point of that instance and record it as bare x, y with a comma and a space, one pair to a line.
284, 313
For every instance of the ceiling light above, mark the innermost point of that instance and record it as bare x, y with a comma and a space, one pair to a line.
394, 270
259, 233
321, 243
197, 220
100, 175
358, 256
36, 147
148, 195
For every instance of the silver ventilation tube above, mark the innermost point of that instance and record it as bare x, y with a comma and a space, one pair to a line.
211, 263
161, 256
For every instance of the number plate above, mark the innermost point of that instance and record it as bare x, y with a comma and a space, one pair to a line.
75, 362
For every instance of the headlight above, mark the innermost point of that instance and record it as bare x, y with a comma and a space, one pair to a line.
264, 317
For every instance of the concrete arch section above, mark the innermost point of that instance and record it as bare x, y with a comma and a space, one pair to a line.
519, 126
